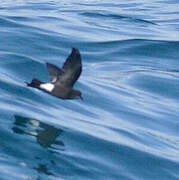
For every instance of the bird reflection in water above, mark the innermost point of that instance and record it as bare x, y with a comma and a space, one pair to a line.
45, 134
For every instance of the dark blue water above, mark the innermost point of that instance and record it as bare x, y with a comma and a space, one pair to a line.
127, 126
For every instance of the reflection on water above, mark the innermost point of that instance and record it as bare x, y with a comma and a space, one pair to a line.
47, 137
43, 169
45, 134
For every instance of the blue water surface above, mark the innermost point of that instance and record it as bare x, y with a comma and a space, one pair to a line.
127, 126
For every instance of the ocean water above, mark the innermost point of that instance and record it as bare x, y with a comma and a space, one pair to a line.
127, 126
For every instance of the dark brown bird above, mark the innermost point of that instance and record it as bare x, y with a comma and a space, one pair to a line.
62, 80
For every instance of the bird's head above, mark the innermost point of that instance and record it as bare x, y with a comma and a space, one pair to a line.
75, 94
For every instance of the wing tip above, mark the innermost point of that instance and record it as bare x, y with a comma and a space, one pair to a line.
75, 51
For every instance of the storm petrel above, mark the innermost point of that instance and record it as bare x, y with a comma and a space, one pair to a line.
62, 79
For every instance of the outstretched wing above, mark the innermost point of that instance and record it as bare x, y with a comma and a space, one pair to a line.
53, 71
71, 70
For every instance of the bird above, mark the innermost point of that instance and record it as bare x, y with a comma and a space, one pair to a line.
62, 79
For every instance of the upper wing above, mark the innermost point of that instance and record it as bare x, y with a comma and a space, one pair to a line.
53, 71
71, 70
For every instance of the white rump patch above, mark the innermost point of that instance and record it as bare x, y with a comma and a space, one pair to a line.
47, 86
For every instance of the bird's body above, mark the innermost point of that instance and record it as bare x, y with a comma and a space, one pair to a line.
62, 80
47, 86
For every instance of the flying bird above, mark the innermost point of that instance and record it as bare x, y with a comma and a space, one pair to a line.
62, 79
